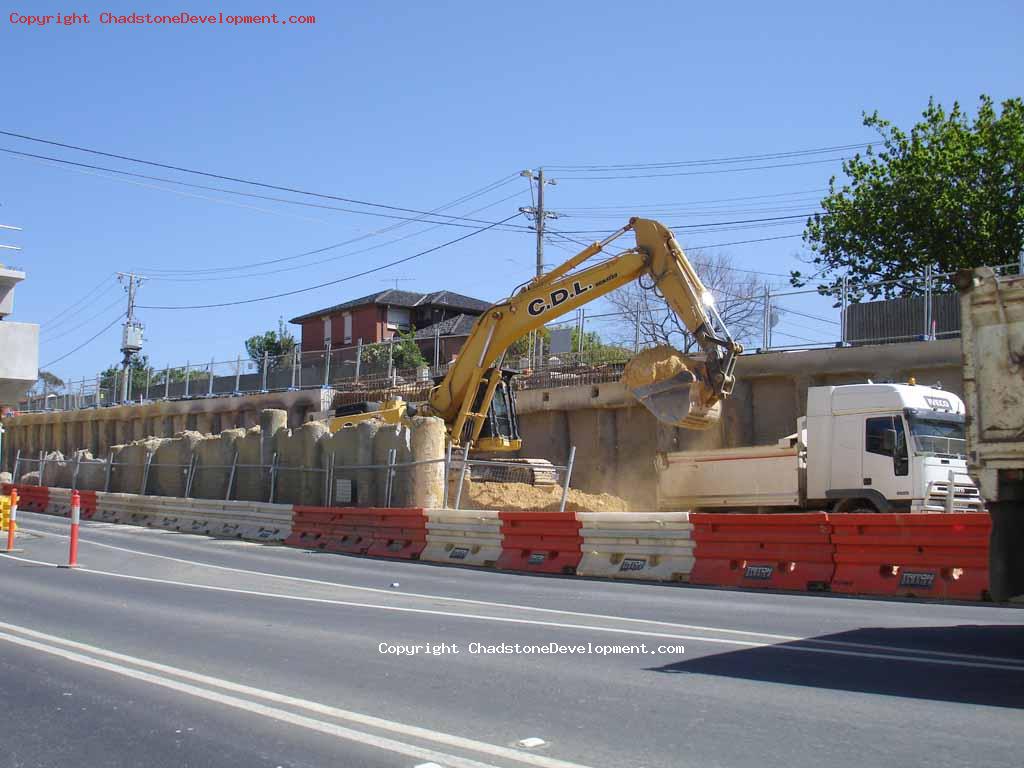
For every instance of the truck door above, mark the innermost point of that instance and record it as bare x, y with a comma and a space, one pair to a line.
844, 460
886, 464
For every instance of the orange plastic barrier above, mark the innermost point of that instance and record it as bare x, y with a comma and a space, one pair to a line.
378, 532
542, 542
919, 555
88, 499
34, 498
773, 551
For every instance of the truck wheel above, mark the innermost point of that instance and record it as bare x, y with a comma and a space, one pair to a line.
1006, 551
856, 507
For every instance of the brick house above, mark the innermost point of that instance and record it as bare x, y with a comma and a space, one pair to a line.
379, 317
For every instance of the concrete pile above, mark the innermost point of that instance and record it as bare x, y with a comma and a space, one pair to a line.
302, 457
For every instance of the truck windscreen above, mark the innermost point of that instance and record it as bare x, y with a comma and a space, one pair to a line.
938, 433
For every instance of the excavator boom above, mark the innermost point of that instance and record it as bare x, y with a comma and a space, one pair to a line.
689, 398
475, 398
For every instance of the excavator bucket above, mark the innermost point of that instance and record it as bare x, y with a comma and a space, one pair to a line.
667, 387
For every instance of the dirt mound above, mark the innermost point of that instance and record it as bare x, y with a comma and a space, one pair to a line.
544, 498
651, 365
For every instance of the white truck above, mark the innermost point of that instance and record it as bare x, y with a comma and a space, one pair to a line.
992, 338
860, 448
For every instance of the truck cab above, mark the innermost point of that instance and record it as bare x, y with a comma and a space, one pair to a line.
885, 448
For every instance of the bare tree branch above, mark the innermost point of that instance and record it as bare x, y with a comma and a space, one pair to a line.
737, 297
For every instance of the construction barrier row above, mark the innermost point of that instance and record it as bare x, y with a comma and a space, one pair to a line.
899, 554
920, 555
229, 519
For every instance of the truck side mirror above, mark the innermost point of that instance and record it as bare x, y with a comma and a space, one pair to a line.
889, 441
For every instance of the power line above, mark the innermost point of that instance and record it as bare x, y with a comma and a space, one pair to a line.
471, 222
744, 242
56, 321
223, 177
703, 226
86, 343
340, 279
697, 263
645, 206
705, 173
712, 161
83, 323
312, 263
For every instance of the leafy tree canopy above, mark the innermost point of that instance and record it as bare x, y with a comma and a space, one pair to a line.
949, 194
277, 345
403, 354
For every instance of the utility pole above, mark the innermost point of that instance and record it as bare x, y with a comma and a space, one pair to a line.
538, 212
131, 334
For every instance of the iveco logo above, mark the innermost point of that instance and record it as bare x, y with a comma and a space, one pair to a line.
939, 403
558, 296
632, 564
758, 572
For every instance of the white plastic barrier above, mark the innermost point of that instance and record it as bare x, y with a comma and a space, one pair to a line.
651, 546
255, 520
465, 537
118, 508
59, 502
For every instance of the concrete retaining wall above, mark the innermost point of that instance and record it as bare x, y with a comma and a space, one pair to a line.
617, 440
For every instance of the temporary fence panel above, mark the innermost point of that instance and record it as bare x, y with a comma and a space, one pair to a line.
463, 537
776, 551
921, 555
650, 546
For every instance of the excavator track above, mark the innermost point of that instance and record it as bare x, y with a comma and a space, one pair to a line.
529, 471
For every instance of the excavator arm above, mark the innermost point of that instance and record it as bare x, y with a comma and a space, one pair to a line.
687, 396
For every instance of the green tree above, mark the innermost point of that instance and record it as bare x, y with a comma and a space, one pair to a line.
139, 369
948, 194
143, 374
403, 354
521, 347
277, 345
50, 382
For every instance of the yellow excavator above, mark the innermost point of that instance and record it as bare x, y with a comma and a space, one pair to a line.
476, 399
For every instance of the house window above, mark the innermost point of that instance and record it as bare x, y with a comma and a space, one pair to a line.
348, 327
398, 317
327, 331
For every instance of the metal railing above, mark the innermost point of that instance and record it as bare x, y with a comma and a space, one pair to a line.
335, 490
598, 345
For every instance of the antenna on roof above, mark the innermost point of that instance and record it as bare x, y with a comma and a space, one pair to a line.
397, 280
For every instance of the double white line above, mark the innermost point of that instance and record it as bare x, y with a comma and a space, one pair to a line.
358, 728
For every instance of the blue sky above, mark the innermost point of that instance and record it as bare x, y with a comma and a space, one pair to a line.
414, 105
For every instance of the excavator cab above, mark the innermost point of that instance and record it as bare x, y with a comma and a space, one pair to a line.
500, 430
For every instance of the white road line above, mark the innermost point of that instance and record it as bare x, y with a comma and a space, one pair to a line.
1013, 666
51, 644
396, 608
391, 592
556, 611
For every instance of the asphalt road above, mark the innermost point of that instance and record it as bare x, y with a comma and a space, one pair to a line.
174, 650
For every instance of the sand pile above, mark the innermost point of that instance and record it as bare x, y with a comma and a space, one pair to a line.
542, 498
651, 365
